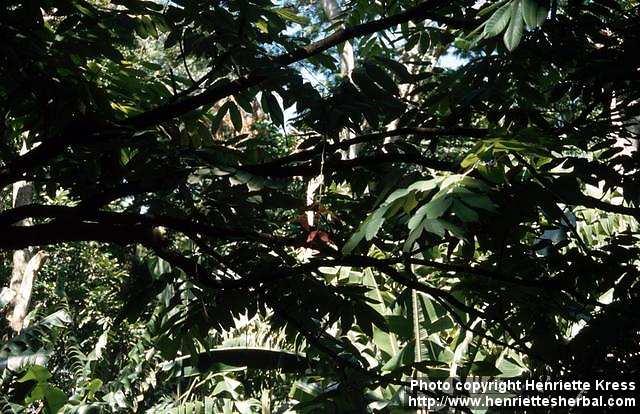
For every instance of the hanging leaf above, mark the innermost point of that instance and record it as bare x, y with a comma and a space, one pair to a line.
288, 14
244, 101
437, 207
464, 213
217, 118
373, 225
434, 227
513, 34
367, 85
533, 12
498, 21
396, 67
381, 77
236, 118
353, 241
274, 109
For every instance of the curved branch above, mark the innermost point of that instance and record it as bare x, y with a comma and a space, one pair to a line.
79, 130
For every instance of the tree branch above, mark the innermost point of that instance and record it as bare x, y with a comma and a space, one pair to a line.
420, 12
312, 169
375, 136
78, 216
19, 237
52, 147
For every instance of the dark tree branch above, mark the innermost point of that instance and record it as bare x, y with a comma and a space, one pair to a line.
420, 12
312, 169
85, 130
375, 136
72, 216
19, 237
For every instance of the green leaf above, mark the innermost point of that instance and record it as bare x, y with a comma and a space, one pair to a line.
36, 373
469, 161
396, 195
157, 266
413, 236
417, 217
533, 13
396, 67
85, 8
304, 391
485, 368
236, 118
290, 15
513, 34
368, 317
262, 26
400, 325
217, 119
406, 356
353, 242
425, 186
324, 60
37, 393
432, 210
464, 213
385, 341
366, 85
227, 386
478, 201
410, 203
498, 21
244, 102
274, 109
455, 230
441, 324
435, 227
437, 207
374, 223
59, 319
381, 77
94, 385
55, 399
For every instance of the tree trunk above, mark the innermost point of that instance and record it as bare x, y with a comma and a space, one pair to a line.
25, 264
347, 60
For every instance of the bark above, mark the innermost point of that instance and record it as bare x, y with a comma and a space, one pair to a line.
347, 61
25, 264
23, 295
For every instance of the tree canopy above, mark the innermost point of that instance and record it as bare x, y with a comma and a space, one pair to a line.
235, 221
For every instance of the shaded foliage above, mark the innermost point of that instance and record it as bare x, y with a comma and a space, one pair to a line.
475, 220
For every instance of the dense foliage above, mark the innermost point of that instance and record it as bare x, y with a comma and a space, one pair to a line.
234, 225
